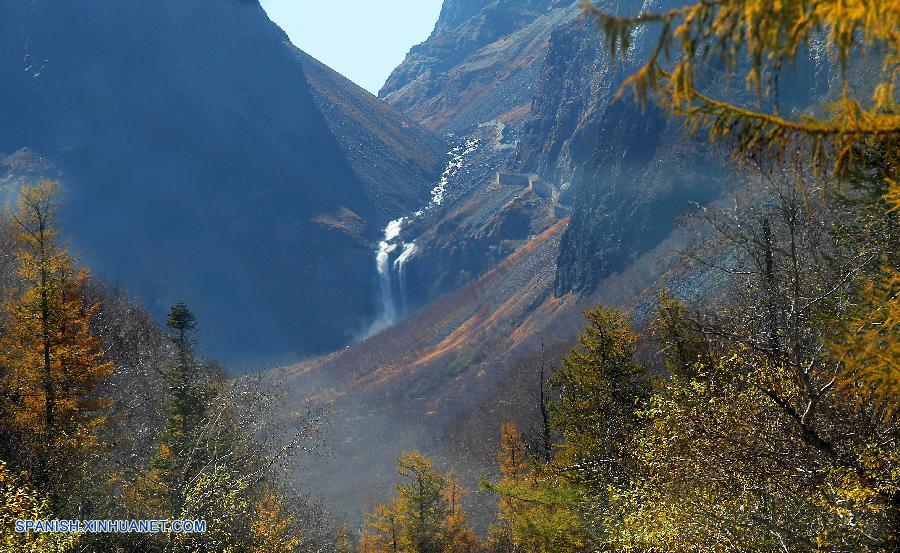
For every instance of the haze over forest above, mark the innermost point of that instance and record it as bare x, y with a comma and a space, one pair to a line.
581, 276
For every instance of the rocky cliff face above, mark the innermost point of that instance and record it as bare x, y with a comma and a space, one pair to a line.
480, 62
206, 159
625, 173
628, 172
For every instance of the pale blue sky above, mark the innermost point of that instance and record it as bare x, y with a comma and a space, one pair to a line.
361, 39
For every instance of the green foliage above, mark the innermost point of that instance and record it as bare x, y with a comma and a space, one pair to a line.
181, 319
600, 388
421, 499
564, 505
184, 444
190, 390
544, 514
685, 349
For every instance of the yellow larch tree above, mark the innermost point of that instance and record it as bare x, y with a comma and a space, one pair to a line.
868, 343
513, 463
426, 515
458, 537
759, 38
271, 527
50, 363
386, 535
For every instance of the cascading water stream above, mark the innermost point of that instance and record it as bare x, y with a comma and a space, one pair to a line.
409, 250
390, 313
382, 262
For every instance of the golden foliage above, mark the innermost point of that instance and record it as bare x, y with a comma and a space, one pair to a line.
761, 37
512, 455
20, 501
457, 536
426, 514
727, 468
869, 345
271, 529
51, 361
386, 533
733, 451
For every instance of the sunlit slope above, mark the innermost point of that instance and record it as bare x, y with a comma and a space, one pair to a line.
440, 380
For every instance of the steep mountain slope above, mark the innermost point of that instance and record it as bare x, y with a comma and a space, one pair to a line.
480, 62
397, 160
566, 198
442, 380
207, 159
403, 388
544, 72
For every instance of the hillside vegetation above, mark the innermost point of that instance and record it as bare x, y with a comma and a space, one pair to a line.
767, 421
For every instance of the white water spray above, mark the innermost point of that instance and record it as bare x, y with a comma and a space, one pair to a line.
457, 158
409, 250
388, 314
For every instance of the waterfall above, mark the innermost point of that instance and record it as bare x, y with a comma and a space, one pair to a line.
382, 263
389, 312
388, 308
409, 250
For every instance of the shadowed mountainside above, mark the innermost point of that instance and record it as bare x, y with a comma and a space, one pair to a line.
207, 159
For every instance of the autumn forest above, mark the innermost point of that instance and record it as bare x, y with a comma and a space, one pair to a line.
763, 416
